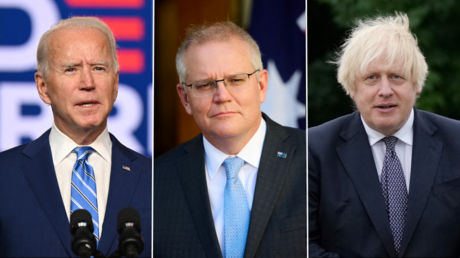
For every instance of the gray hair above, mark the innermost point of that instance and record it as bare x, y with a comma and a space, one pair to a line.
219, 31
75, 23
373, 38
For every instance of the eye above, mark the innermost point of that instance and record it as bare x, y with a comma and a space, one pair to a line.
70, 70
203, 85
99, 68
396, 77
372, 77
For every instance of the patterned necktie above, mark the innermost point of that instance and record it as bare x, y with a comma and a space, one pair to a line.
394, 191
236, 210
83, 194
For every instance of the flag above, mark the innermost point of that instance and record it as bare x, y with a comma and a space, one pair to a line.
278, 27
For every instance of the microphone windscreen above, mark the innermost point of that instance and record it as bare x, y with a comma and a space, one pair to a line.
128, 215
80, 216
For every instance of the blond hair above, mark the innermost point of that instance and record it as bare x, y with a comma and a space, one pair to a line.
374, 38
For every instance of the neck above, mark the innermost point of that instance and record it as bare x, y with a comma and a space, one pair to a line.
82, 136
234, 144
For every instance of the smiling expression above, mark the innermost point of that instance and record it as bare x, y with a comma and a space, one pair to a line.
226, 114
384, 97
81, 85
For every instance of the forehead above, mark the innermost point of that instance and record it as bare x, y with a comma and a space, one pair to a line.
217, 58
72, 42
383, 65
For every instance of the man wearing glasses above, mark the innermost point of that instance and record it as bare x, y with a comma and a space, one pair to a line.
239, 188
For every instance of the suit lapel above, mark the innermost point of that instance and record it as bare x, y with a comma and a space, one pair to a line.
41, 177
356, 157
271, 175
426, 153
192, 176
118, 199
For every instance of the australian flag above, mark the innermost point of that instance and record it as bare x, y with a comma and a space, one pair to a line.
279, 26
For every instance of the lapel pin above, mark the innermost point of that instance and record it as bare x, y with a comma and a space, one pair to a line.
126, 168
281, 155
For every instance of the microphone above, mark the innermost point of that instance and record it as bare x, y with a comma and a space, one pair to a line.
81, 228
130, 243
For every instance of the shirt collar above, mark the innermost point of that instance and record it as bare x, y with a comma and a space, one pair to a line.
251, 152
405, 134
61, 145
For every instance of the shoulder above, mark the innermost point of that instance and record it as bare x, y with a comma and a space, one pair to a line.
437, 120
139, 158
12, 154
445, 129
169, 159
331, 127
26, 150
285, 133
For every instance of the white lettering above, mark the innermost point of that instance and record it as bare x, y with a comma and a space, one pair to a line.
128, 118
43, 14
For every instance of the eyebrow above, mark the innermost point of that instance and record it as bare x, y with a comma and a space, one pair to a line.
71, 64
100, 63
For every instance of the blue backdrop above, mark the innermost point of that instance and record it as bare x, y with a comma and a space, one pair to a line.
24, 117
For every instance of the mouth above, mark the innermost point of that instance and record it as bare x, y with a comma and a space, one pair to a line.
222, 114
386, 106
87, 104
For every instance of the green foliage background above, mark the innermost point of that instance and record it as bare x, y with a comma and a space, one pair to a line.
436, 25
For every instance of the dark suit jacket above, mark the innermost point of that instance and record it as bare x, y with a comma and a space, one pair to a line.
183, 223
33, 221
347, 215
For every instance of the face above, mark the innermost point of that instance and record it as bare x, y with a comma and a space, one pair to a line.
226, 114
384, 97
81, 85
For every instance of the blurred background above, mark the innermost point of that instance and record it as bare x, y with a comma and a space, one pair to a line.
435, 23
23, 115
278, 26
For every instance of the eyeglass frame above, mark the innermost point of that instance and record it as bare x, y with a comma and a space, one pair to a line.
216, 81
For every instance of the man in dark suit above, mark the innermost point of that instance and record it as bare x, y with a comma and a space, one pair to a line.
384, 180
198, 213
40, 181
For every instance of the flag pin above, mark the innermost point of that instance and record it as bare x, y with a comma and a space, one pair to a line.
281, 155
126, 168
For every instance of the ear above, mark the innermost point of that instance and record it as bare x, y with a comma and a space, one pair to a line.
352, 93
115, 87
184, 98
263, 84
42, 88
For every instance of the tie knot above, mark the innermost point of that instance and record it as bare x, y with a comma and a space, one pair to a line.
83, 152
390, 142
233, 166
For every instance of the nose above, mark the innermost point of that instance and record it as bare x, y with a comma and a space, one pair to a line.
87, 80
222, 94
385, 89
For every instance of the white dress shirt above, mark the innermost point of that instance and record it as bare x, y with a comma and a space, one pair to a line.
216, 178
403, 146
64, 160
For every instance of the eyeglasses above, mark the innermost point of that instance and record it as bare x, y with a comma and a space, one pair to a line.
232, 83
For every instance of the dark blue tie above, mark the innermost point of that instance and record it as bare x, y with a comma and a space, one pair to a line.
394, 191
83, 193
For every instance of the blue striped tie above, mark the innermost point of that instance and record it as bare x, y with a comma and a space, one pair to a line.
236, 210
83, 194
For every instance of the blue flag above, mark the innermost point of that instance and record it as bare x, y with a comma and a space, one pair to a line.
279, 27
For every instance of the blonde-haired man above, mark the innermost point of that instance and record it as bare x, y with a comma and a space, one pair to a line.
384, 180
